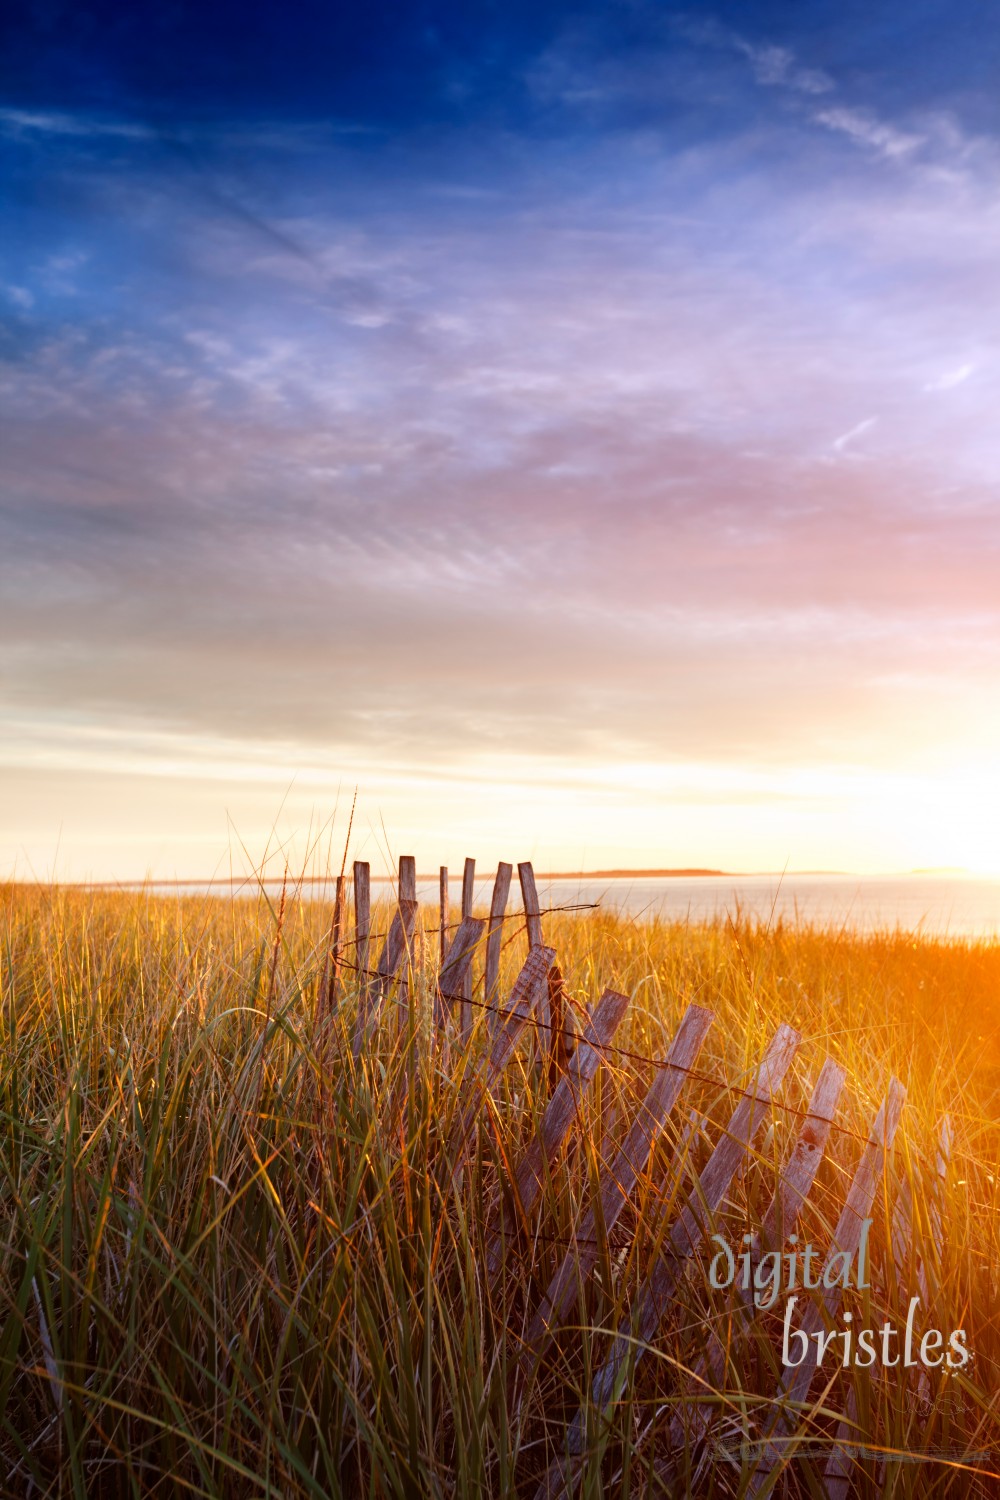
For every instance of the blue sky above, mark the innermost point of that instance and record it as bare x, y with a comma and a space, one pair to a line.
571, 425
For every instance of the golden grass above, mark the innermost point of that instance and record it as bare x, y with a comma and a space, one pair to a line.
232, 1264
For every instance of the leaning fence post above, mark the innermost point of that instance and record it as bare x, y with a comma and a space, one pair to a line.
407, 892
529, 899
330, 990
793, 1388
494, 938
528, 986
635, 1334
451, 979
468, 883
618, 1181
838, 1469
362, 921
553, 1014
562, 1109
533, 919
692, 1420
395, 951
443, 882
559, 1050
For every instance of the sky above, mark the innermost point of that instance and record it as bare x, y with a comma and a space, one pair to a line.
574, 427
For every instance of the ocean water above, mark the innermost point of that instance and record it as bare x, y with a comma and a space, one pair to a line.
936, 905
956, 906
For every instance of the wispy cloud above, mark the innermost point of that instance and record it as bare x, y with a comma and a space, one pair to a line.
853, 433
771, 65
951, 378
867, 129
81, 126
777, 67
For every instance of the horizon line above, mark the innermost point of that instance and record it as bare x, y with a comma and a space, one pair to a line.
655, 873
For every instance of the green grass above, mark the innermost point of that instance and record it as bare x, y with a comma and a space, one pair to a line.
233, 1264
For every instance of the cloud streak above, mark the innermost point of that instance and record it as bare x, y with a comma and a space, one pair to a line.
868, 130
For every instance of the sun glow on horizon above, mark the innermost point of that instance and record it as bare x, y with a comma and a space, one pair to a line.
175, 806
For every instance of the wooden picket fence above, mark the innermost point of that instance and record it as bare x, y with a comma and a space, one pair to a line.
536, 1004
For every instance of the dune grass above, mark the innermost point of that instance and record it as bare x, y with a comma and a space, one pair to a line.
234, 1264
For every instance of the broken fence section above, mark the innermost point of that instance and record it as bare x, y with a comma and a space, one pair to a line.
537, 1004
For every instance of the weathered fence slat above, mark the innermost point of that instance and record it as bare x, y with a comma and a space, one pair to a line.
529, 900
838, 1468
406, 890
618, 1181
794, 1183
798, 1176
533, 920
562, 1109
397, 945
362, 920
559, 1050
331, 991
837, 1476
902, 1217
686, 1235
456, 965
468, 888
946, 1139
394, 951
494, 934
793, 1389
524, 997
443, 888
523, 1000
407, 885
